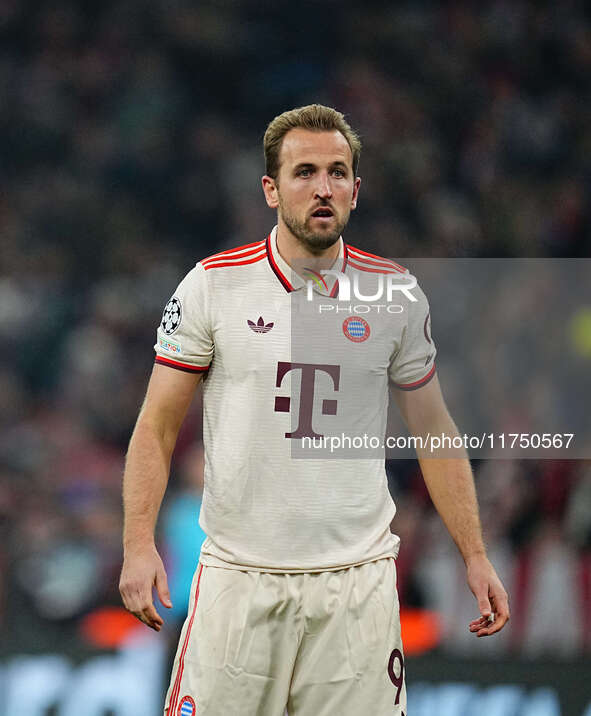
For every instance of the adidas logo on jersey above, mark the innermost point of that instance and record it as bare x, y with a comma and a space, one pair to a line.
259, 326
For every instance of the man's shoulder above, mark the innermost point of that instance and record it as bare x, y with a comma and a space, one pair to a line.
371, 263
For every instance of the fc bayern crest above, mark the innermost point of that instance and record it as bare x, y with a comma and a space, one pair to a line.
186, 707
356, 329
171, 318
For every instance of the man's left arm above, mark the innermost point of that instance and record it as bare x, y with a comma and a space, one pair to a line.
451, 487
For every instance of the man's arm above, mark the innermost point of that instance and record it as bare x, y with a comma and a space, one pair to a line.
451, 487
147, 466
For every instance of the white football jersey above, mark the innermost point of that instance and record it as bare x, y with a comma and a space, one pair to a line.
289, 362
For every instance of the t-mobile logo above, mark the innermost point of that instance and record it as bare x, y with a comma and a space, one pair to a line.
306, 408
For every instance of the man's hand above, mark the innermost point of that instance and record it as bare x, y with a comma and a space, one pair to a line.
490, 595
142, 570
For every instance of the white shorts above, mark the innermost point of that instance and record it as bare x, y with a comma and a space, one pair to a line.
316, 644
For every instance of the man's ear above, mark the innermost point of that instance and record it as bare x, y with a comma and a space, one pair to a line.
270, 191
356, 186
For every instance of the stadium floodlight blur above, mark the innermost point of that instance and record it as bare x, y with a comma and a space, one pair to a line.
126, 155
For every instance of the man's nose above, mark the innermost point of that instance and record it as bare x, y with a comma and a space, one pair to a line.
323, 187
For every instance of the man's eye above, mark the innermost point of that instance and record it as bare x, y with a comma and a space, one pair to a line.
304, 173
339, 172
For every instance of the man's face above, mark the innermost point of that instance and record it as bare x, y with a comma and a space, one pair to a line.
315, 190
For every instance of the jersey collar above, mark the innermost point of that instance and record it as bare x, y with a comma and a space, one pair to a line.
292, 281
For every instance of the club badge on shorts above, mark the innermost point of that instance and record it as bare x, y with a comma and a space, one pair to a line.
186, 707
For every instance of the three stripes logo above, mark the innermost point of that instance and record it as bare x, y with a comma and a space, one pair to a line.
259, 326
186, 707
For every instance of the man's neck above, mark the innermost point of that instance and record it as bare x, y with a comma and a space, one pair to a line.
294, 253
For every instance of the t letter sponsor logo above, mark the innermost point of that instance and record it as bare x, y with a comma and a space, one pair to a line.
306, 406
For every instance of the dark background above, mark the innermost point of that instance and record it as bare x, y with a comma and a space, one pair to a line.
130, 148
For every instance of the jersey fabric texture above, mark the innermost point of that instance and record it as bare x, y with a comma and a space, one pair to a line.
325, 643
275, 373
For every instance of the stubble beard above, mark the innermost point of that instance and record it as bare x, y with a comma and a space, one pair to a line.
314, 241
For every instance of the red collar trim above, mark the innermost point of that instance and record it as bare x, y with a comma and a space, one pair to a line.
276, 270
335, 289
283, 279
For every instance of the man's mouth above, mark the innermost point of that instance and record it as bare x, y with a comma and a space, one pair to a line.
323, 212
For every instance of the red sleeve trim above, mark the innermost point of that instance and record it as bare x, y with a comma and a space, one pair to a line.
384, 264
418, 383
230, 257
235, 250
371, 270
181, 366
216, 264
379, 258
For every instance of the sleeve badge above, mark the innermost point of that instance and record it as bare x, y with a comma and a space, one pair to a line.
171, 318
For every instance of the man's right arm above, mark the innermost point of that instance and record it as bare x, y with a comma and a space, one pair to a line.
147, 467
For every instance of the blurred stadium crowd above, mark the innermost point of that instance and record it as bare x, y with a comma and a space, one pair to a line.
130, 147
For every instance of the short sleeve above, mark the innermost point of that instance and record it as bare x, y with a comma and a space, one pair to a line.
413, 365
184, 337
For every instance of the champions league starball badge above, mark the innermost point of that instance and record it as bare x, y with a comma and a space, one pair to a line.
171, 318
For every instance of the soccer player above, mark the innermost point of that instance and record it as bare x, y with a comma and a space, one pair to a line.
294, 603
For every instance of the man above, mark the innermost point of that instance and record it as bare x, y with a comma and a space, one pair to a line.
294, 602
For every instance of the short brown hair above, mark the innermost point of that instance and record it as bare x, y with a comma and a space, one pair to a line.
316, 117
